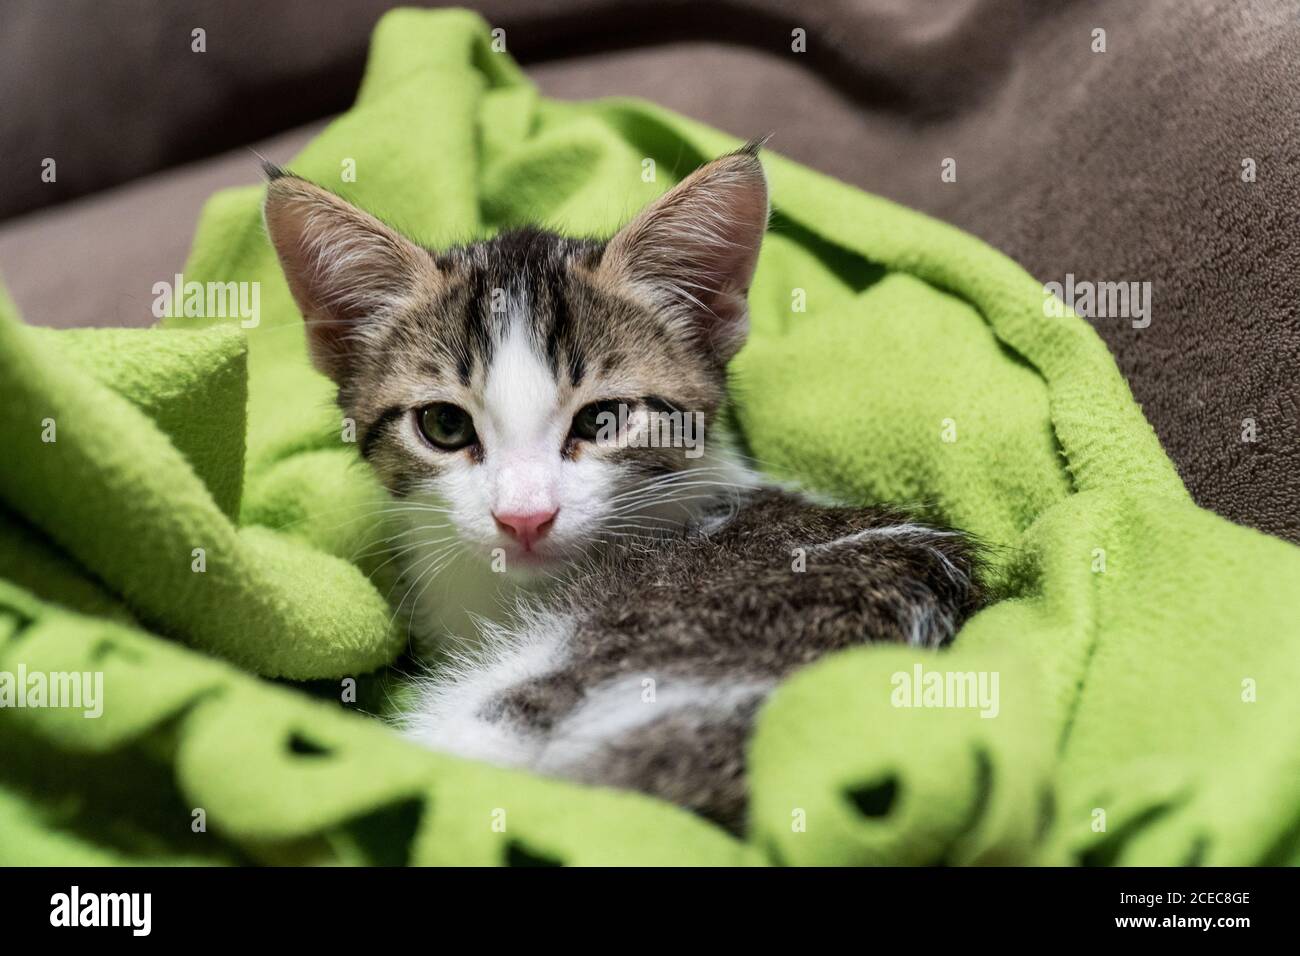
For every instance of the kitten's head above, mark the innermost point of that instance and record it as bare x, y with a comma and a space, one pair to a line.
526, 383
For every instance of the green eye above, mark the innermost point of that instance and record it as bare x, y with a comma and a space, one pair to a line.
591, 419
447, 426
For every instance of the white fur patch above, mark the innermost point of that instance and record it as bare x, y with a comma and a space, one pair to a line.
613, 710
448, 716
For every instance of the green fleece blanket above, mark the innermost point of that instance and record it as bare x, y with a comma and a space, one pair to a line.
187, 527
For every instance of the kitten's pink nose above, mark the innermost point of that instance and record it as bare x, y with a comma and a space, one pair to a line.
526, 528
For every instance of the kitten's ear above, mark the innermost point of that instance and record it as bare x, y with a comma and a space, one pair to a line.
693, 251
345, 267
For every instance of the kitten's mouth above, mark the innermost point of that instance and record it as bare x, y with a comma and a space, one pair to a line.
544, 556
536, 557
530, 557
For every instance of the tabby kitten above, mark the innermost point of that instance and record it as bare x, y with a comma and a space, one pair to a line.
547, 411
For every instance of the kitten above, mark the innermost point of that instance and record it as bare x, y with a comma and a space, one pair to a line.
509, 393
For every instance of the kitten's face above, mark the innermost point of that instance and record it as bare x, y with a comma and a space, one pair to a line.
549, 395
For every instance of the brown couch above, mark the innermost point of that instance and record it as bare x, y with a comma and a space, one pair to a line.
1117, 165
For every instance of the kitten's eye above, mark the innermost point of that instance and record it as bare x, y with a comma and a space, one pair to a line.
589, 421
448, 426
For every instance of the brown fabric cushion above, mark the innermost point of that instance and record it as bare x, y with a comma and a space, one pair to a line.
1114, 166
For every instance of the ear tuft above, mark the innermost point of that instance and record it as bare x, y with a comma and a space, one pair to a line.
755, 145
693, 251
271, 171
346, 269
